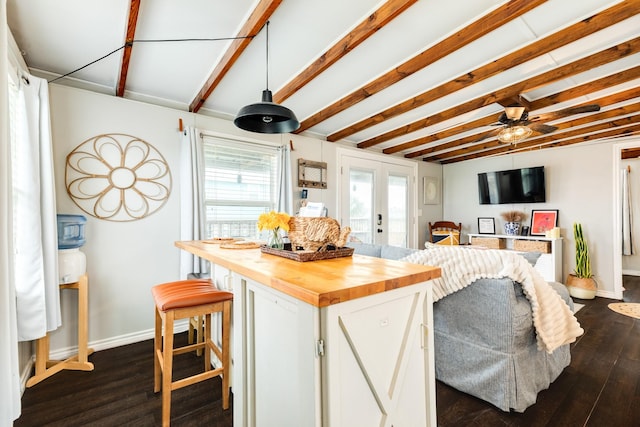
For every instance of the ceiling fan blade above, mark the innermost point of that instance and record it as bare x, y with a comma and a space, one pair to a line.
488, 135
590, 108
542, 128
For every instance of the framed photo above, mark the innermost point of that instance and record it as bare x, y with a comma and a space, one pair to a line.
486, 226
431, 190
543, 220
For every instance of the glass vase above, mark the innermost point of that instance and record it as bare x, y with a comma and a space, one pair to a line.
275, 239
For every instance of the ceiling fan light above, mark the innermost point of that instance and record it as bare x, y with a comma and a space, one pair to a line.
266, 117
513, 134
514, 112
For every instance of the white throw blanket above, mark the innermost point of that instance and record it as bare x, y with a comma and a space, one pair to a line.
553, 320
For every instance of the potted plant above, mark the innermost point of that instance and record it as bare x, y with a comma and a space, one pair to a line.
581, 283
512, 222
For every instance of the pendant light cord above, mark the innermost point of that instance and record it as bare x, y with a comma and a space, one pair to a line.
267, 55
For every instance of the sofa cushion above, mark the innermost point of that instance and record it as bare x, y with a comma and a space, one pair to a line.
395, 252
532, 257
365, 249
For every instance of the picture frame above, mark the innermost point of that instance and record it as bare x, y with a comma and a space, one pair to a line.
543, 220
486, 226
431, 190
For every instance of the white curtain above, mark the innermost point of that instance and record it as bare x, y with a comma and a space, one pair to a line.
627, 217
9, 369
34, 221
285, 186
192, 209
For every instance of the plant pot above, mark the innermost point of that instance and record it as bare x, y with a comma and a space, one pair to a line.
511, 228
581, 287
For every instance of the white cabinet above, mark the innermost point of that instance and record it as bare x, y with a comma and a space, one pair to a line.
367, 361
377, 360
549, 265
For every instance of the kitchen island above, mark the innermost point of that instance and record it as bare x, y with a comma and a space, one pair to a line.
336, 342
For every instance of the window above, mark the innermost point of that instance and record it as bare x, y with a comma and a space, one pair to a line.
240, 184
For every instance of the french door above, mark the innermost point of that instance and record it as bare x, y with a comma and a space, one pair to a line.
377, 200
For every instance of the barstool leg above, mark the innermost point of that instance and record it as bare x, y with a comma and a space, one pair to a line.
226, 356
157, 352
206, 340
167, 367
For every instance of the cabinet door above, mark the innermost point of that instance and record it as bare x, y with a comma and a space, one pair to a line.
378, 367
276, 369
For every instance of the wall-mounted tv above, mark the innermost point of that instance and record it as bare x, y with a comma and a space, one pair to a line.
524, 185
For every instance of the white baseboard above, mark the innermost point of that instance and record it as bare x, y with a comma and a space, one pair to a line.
631, 272
64, 353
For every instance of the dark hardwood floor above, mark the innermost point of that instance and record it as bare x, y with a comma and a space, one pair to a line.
601, 387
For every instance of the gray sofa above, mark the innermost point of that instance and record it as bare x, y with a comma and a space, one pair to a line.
485, 343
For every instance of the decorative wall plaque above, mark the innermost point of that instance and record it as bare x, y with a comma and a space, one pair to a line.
117, 177
312, 174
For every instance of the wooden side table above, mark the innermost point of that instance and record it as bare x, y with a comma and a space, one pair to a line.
46, 367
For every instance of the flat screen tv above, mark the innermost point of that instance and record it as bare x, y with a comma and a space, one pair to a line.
524, 185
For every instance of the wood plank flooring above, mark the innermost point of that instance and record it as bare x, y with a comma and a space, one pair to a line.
601, 387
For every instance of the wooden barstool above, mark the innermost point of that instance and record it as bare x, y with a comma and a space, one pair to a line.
186, 299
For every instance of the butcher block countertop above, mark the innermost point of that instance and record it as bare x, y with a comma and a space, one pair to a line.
319, 283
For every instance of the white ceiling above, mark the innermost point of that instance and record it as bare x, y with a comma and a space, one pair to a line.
59, 37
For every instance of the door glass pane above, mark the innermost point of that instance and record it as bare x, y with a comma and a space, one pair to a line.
397, 212
361, 205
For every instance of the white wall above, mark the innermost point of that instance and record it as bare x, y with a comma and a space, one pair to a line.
125, 259
579, 182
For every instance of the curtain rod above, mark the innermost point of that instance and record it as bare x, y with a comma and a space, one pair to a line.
243, 141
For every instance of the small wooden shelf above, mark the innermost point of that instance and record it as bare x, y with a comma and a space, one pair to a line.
46, 367
549, 264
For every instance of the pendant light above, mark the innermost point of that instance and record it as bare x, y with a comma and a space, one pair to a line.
266, 116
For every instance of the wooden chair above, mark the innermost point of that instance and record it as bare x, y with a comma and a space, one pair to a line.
446, 228
188, 299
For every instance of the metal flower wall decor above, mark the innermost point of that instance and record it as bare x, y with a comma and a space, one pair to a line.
117, 177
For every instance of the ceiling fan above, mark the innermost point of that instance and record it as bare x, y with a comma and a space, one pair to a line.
515, 124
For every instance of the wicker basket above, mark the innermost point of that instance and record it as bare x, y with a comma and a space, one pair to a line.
532, 246
488, 242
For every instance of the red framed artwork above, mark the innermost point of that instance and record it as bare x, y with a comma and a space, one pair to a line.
543, 220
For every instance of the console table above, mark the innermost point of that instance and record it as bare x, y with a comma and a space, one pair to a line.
46, 367
336, 342
549, 264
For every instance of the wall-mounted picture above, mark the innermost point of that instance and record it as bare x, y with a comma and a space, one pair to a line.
543, 220
431, 187
486, 226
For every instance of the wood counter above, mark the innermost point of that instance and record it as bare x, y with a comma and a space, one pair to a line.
319, 283
327, 343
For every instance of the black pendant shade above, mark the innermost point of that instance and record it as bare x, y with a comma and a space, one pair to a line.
266, 117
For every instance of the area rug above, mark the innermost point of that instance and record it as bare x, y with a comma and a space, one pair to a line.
626, 308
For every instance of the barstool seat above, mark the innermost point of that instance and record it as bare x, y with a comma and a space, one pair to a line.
187, 299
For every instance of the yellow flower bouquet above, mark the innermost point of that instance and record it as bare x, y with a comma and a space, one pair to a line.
274, 222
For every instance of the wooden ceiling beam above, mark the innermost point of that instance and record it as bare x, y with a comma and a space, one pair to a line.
365, 29
603, 102
134, 8
590, 87
630, 153
474, 31
485, 121
498, 146
464, 127
613, 53
613, 114
626, 131
587, 26
258, 18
